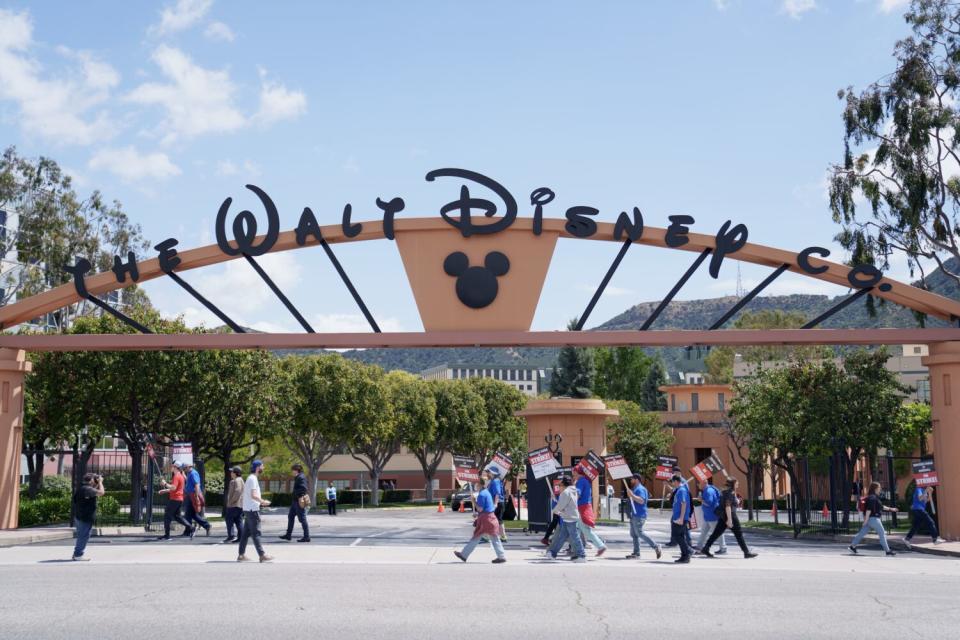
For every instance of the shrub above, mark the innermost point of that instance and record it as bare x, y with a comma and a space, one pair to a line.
42, 511
349, 496
397, 495
56, 486
107, 506
117, 480
213, 482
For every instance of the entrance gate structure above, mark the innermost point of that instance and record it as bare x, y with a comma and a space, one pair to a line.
476, 274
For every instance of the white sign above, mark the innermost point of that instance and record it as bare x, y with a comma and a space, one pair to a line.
182, 452
542, 463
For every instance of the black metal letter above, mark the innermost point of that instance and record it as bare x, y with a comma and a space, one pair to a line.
390, 209
79, 270
803, 259
578, 223
349, 230
168, 258
245, 227
727, 242
121, 270
677, 231
538, 198
465, 204
308, 226
634, 228
873, 276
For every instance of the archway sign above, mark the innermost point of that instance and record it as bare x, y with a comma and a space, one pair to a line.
476, 272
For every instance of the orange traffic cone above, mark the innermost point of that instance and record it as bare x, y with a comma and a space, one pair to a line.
440, 506
825, 512
461, 507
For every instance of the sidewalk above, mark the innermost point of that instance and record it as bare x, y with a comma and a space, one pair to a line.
18, 537
949, 549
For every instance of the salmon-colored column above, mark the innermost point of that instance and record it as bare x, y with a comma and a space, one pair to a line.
944, 365
13, 368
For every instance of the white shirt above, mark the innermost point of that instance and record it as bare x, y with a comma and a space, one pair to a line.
331, 493
251, 488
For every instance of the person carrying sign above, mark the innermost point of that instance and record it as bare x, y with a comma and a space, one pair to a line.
682, 508
499, 497
710, 500
174, 500
918, 509
569, 513
555, 520
485, 525
587, 521
193, 492
638, 517
727, 514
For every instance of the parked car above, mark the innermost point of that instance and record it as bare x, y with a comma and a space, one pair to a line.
464, 496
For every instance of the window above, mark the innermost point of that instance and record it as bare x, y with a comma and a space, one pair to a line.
916, 349
695, 401
721, 402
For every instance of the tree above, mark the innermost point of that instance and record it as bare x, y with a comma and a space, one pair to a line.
53, 227
651, 398
621, 373
914, 424
459, 412
900, 150
503, 430
397, 406
639, 436
573, 375
747, 459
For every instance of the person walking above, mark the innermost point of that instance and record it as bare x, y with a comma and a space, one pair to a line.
298, 510
555, 520
568, 513
331, 499
252, 501
499, 497
485, 525
728, 508
710, 501
174, 491
85, 500
639, 496
873, 510
587, 520
193, 494
679, 521
918, 510
234, 515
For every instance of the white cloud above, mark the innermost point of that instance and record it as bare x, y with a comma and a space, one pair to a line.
721, 5
219, 32
63, 109
197, 101
279, 103
182, 15
230, 168
889, 6
238, 290
350, 323
796, 8
131, 165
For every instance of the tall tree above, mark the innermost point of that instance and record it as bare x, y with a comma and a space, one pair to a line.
574, 373
621, 373
504, 431
901, 150
639, 436
459, 412
651, 398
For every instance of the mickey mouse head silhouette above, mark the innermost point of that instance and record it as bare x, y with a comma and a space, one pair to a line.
476, 286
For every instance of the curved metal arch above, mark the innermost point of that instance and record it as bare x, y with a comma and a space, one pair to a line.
900, 293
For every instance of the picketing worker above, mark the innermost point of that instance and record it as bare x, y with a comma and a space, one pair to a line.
485, 524
680, 519
85, 500
499, 497
297, 509
555, 520
710, 502
639, 496
729, 503
567, 510
331, 499
252, 501
873, 510
234, 515
585, 506
174, 491
918, 510
193, 495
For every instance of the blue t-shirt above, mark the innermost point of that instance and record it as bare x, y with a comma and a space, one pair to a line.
918, 504
496, 489
485, 501
710, 497
682, 494
640, 510
193, 481
585, 488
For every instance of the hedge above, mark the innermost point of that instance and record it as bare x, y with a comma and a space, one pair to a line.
48, 510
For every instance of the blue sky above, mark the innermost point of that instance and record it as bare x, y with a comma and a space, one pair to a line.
720, 109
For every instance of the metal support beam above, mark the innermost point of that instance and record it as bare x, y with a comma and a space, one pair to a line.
350, 287
676, 288
745, 300
837, 307
603, 284
209, 305
117, 314
276, 290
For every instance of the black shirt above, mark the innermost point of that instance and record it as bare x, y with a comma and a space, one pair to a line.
86, 499
300, 485
873, 508
729, 499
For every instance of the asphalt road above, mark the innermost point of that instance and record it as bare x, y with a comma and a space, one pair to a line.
379, 575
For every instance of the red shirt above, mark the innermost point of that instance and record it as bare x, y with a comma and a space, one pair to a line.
176, 491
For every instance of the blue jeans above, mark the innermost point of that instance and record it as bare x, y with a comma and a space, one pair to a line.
251, 529
83, 535
191, 514
706, 529
875, 524
494, 542
921, 518
637, 533
297, 512
568, 530
234, 522
591, 535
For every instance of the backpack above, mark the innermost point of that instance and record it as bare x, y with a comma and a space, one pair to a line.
862, 504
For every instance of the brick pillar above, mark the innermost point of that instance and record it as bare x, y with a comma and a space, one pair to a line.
13, 367
944, 365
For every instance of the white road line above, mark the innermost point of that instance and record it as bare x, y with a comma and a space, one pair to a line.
356, 542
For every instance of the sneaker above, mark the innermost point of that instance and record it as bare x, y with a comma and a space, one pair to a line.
580, 560
633, 556
187, 532
460, 555
266, 558
891, 553
601, 551
229, 540
937, 540
749, 554
498, 560
286, 537
852, 548
503, 538
659, 551
164, 538
193, 531
80, 559
207, 529
243, 559
682, 560
906, 543
303, 539
545, 542
706, 553
720, 552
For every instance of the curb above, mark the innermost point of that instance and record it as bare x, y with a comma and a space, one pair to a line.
27, 538
845, 539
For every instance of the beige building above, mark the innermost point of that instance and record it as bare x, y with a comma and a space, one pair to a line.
527, 380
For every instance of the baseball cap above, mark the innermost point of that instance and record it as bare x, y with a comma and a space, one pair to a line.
256, 464
178, 464
236, 470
